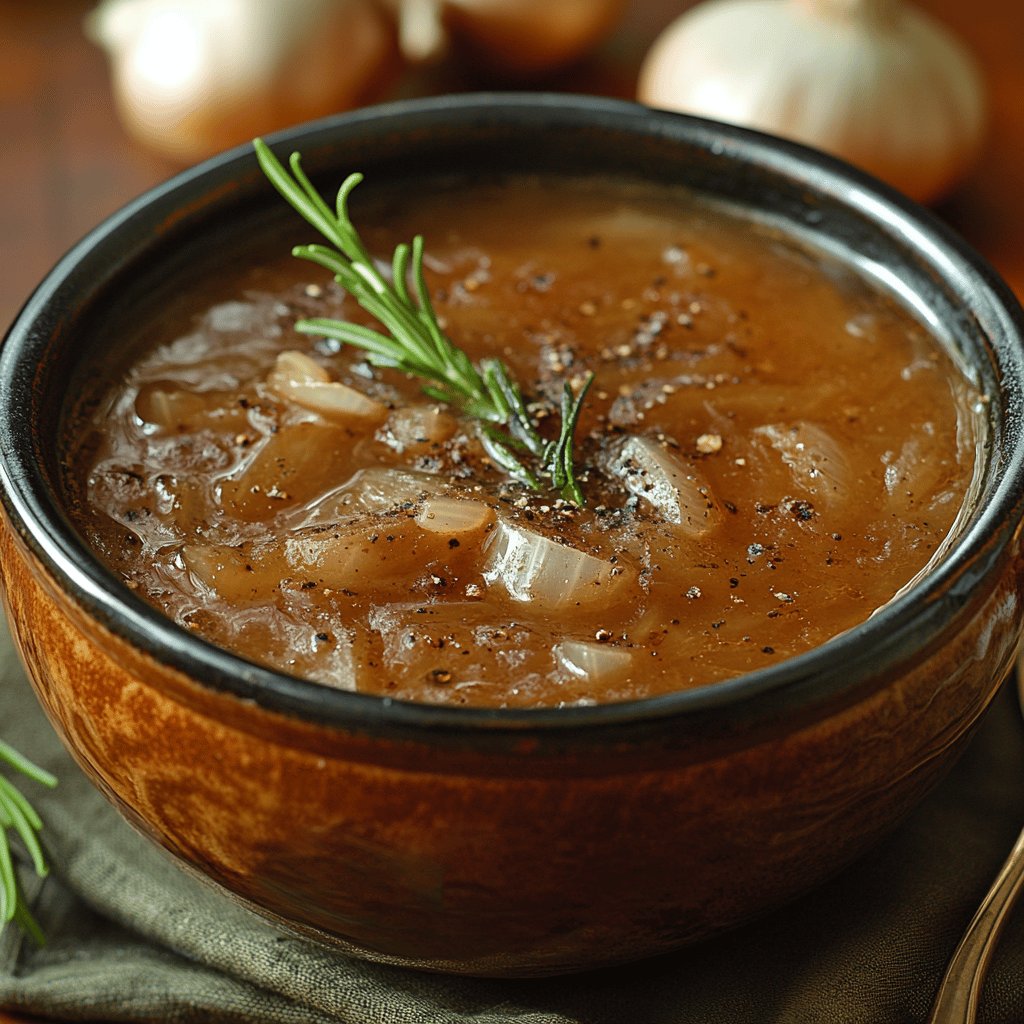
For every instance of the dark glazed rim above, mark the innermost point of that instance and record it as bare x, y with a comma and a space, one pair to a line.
837, 671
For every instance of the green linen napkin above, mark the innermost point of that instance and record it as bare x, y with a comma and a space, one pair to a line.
133, 938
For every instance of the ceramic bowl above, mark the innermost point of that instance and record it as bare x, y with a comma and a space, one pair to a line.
500, 841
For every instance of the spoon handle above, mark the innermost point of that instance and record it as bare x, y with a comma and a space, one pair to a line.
957, 999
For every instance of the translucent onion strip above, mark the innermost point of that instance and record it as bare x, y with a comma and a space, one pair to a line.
167, 407
239, 573
453, 516
303, 381
417, 427
815, 459
676, 489
349, 557
553, 576
294, 367
593, 661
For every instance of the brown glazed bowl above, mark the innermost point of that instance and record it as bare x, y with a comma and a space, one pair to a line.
500, 841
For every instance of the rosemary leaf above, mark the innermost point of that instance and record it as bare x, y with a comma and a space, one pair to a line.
22, 764
18, 815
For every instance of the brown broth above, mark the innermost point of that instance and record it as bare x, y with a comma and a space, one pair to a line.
821, 440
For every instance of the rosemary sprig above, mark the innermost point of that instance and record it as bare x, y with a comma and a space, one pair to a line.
414, 341
17, 814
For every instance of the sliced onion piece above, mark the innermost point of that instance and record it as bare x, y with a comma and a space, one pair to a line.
237, 573
334, 400
375, 489
305, 382
167, 407
676, 489
171, 406
916, 483
387, 554
554, 576
294, 367
596, 662
287, 469
348, 556
417, 427
454, 516
814, 458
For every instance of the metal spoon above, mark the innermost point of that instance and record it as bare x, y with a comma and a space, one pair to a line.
957, 1000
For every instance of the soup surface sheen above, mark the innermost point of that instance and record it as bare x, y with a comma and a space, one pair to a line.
770, 450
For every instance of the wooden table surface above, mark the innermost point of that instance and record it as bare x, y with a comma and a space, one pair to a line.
67, 163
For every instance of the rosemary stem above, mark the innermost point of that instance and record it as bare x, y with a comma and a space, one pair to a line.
414, 341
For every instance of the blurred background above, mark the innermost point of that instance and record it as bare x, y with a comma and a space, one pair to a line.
100, 101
